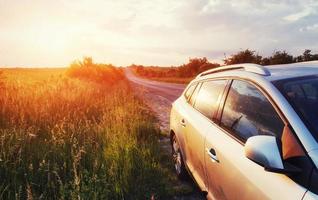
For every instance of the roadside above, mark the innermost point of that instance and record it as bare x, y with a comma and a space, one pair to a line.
159, 96
169, 79
177, 80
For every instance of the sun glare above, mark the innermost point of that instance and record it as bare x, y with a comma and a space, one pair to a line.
51, 39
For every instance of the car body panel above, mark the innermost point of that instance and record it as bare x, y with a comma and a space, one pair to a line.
194, 138
229, 174
177, 111
314, 156
310, 196
237, 177
277, 98
284, 71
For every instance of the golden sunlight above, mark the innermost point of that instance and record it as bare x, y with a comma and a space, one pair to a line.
51, 39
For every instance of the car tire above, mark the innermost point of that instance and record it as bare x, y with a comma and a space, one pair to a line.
177, 158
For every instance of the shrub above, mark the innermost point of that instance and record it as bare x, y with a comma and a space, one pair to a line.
100, 73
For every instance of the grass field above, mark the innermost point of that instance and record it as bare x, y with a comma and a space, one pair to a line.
73, 138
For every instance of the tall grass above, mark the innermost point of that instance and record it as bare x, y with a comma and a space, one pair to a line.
64, 138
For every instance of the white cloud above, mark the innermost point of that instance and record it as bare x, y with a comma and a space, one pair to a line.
158, 32
297, 16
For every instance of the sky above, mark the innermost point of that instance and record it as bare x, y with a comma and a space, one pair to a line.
46, 33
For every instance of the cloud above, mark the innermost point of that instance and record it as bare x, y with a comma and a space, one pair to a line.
299, 15
157, 32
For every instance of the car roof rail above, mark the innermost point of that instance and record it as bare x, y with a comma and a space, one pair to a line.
254, 68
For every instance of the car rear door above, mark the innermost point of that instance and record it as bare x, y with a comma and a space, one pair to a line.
200, 111
178, 116
247, 112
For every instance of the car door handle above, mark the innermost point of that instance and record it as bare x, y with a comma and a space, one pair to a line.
183, 123
212, 154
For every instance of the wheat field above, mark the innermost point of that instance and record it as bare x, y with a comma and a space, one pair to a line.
65, 137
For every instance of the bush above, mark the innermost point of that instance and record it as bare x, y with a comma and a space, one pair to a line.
100, 73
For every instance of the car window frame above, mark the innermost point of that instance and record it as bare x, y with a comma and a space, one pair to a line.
196, 90
214, 120
279, 85
221, 97
195, 84
277, 109
263, 92
217, 120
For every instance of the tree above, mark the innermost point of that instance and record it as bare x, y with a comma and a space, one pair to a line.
265, 61
299, 58
195, 64
308, 56
207, 66
281, 57
246, 56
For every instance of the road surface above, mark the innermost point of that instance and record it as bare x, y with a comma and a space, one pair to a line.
158, 96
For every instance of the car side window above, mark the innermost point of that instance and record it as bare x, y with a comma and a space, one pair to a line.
189, 91
247, 112
208, 98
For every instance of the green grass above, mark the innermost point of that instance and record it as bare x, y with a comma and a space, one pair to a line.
65, 138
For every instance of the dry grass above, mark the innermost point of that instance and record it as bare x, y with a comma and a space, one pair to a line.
65, 138
32, 75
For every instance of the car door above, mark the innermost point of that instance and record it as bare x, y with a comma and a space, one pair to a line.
202, 105
247, 112
178, 116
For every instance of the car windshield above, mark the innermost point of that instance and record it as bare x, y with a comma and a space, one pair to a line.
302, 94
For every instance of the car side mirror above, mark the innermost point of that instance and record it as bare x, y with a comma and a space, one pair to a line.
263, 150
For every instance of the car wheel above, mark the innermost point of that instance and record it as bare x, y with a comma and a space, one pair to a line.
178, 159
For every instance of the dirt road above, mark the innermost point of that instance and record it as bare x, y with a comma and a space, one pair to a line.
158, 95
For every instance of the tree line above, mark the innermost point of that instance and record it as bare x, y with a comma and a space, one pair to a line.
198, 65
278, 57
192, 68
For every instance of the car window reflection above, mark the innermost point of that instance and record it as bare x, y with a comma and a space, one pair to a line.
247, 112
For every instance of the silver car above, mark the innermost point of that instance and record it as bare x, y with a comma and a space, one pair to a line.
249, 132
